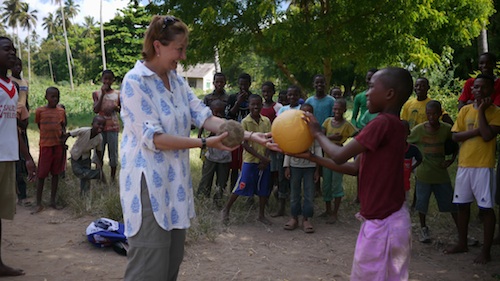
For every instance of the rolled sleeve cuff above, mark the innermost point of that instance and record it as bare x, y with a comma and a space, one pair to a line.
148, 133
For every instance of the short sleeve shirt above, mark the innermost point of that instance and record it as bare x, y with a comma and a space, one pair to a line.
111, 100
249, 124
148, 108
9, 146
346, 130
51, 122
84, 143
323, 107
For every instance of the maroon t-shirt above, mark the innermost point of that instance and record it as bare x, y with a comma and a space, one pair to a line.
381, 171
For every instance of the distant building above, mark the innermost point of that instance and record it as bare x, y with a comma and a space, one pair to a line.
199, 76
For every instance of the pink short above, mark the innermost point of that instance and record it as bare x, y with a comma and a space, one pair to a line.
52, 160
383, 248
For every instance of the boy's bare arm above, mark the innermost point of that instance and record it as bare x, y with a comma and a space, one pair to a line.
30, 164
252, 151
349, 168
486, 131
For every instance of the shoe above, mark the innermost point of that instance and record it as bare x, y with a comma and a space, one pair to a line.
424, 235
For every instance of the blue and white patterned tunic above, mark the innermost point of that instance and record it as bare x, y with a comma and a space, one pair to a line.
149, 108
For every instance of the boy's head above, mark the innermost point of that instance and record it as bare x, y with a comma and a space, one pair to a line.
255, 105
108, 77
7, 54
369, 74
421, 88
389, 89
484, 86
319, 83
52, 96
218, 106
336, 92
487, 63
293, 95
433, 110
268, 90
244, 82
307, 108
339, 108
283, 97
98, 123
219, 82
17, 68
406, 127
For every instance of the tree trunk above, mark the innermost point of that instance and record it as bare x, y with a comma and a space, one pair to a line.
50, 68
67, 48
29, 56
482, 42
103, 49
287, 73
327, 72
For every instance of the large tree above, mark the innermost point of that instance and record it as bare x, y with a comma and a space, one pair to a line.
328, 35
27, 20
10, 16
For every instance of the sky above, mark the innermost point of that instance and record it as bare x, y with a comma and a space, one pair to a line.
87, 8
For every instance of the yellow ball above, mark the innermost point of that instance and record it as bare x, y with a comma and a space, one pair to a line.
291, 132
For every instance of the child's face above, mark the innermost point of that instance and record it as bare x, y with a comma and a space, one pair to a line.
293, 97
338, 111
319, 84
336, 93
485, 65
267, 93
52, 98
255, 105
283, 99
108, 79
17, 68
7, 54
482, 88
217, 110
244, 84
368, 77
376, 94
421, 88
98, 125
433, 115
219, 83
307, 108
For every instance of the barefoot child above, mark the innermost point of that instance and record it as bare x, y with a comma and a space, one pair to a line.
337, 130
476, 128
10, 145
383, 245
255, 173
51, 120
300, 171
432, 176
88, 139
107, 104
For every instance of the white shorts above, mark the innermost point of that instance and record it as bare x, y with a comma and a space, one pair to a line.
475, 183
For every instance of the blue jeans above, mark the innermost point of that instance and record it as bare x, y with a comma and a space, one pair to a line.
297, 176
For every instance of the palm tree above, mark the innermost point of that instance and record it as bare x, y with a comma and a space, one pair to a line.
103, 48
67, 43
88, 25
49, 24
10, 16
27, 20
71, 9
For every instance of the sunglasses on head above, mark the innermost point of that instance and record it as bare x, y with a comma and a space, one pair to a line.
168, 21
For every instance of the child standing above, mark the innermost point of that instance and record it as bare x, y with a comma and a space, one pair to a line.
337, 130
432, 176
359, 107
383, 245
270, 108
321, 102
51, 120
476, 127
88, 139
301, 171
255, 173
10, 145
216, 162
107, 104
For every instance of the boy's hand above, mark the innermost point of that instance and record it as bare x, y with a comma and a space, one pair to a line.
287, 173
31, 167
105, 88
447, 163
242, 96
484, 103
264, 163
312, 122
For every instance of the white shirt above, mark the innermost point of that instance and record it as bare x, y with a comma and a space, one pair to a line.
149, 108
9, 146
84, 144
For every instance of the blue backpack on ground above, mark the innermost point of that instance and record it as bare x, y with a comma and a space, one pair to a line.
108, 233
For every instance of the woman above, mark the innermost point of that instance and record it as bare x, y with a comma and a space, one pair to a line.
158, 108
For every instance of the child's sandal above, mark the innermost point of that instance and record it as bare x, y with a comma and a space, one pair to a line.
291, 224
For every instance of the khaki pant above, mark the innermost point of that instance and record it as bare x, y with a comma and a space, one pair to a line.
154, 253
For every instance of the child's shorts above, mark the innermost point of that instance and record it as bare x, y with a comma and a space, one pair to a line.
478, 183
253, 181
52, 160
443, 192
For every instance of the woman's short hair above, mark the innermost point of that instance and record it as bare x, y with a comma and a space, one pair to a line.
163, 29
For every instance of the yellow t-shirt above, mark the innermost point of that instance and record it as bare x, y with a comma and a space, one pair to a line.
264, 126
346, 130
475, 152
414, 111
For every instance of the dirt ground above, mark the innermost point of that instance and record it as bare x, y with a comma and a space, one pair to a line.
52, 246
